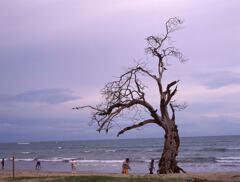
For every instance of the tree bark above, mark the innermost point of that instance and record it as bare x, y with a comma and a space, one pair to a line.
168, 162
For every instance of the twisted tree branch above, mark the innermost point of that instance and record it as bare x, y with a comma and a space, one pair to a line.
136, 126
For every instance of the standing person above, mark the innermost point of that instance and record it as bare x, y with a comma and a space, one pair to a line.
151, 167
38, 165
125, 166
3, 163
73, 166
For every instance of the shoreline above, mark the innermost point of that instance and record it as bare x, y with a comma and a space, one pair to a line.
211, 154
6, 175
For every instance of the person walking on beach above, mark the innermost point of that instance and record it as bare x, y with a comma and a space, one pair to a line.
3, 163
38, 165
151, 167
73, 166
125, 166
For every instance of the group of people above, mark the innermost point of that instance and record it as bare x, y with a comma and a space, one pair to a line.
37, 167
73, 166
126, 167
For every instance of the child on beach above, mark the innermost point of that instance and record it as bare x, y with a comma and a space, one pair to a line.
73, 166
125, 166
151, 167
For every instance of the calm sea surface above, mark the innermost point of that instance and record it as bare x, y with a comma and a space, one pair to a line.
196, 154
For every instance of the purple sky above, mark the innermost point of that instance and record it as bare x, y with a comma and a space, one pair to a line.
56, 54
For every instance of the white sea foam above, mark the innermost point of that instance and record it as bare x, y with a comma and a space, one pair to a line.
110, 150
233, 148
228, 161
26, 160
23, 143
83, 161
231, 159
99, 161
54, 159
25, 152
58, 159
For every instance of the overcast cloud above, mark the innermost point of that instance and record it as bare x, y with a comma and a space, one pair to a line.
219, 79
58, 54
50, 96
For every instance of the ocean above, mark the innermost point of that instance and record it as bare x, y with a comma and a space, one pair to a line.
197, 154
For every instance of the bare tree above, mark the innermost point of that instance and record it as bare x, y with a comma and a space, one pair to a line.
128, 94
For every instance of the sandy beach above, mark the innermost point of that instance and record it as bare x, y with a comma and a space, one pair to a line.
6, 175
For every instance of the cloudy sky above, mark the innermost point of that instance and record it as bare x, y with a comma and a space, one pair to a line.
57, 54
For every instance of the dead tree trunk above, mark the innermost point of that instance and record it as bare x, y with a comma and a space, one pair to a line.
168, 162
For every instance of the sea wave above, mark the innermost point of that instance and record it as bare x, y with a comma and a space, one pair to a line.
55, 159
81, 161
215, 149
110, 150
86, 151
128, 150
25, 160
136, 160
23, 143
26, 152
197, 160
154, 150
220, 149
99, 161
52, 159
234, 148
231, 159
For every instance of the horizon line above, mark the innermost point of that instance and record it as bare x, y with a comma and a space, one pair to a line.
37, 141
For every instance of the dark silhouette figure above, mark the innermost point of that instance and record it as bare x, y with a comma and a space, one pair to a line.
151, 167
3, 163
38, 165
